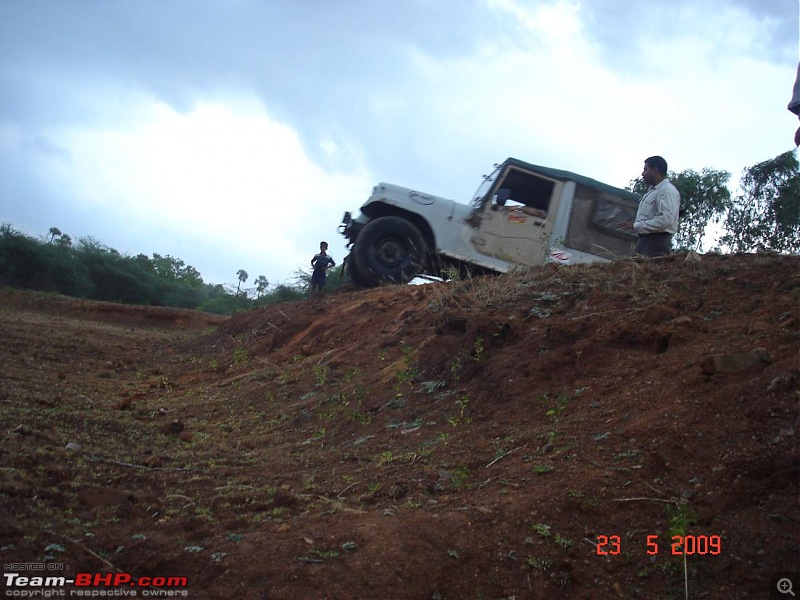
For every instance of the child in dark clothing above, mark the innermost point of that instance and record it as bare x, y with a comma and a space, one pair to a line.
320, 263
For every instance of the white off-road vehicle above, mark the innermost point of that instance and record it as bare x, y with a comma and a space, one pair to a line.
522, 215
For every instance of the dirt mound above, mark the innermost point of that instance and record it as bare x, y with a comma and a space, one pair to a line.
549, 434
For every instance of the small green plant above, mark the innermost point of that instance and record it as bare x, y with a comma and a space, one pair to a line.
542, 469
562, 541
386, 457
431, 386
411, 373
627, 454
205, 513
478, 349
361, 417
321, 374
679, 518
542, 529
309, 481
455, 367
287, 378
462, 402
460, 477
557, 405
539, 564
240, 356
351, 374
325, 553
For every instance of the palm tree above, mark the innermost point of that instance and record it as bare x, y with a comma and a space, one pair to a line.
261, 285
54, 231
242, 275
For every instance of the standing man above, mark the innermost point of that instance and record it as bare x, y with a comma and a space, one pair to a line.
320, 263
657, 218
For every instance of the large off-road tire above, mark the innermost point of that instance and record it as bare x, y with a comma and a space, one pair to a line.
389, 250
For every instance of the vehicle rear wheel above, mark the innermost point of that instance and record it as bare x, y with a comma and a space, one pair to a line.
389, 250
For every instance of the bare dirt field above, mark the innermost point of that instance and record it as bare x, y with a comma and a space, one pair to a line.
550, 435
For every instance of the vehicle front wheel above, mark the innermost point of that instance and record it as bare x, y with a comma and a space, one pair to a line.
389, 250
354, 274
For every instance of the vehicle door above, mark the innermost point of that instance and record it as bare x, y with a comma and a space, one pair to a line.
516, 225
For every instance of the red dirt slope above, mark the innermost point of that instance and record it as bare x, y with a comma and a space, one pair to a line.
462, 440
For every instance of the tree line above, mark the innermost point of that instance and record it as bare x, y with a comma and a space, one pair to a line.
764, 214
89, 269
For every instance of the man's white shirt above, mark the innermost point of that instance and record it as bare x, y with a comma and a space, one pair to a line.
658, 210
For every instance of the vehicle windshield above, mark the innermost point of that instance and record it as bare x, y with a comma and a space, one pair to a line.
486, 184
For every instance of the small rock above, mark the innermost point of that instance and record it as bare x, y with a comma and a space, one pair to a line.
153, 461
784, 381
96, 497
659, 314
733, 363
692, 256
73, 446
175, 427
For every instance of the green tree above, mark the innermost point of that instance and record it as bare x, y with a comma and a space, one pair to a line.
704, 199
766, 214
175, 269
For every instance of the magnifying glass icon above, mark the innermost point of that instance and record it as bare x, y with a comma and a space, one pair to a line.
785, 586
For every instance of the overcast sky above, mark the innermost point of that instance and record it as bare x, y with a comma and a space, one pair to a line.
233, 134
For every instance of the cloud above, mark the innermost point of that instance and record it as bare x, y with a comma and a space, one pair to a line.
225, 176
